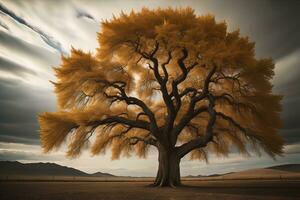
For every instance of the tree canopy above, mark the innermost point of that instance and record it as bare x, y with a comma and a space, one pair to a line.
165, 77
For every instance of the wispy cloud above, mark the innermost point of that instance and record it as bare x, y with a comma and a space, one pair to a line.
83, 14
10, 66
49, 40
3, 25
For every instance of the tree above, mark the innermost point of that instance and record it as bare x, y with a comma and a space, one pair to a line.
169, 79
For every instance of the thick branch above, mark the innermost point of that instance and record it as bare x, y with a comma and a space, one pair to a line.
191, 112
185, 70
163, 66
162, 81
122, 96
186, 119
202, 141
149, 141
121, 120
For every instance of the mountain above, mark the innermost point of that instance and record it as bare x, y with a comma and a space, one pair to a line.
268, 171
100, 174
289, 170
287, 167
43, 169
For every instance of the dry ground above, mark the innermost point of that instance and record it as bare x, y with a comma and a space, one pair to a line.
221, 190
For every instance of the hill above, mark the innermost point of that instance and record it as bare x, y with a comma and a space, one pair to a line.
287, 167
283, 171
43, 169
100, 174
278, 169
260, 172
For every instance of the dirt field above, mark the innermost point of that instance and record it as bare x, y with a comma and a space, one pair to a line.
221, 190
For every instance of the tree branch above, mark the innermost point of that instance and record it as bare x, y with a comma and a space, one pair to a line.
121, 120
202, 141
162, 81
232, 121
231, 101
163, 66
122, 96
191, 113
149, 141
234, 79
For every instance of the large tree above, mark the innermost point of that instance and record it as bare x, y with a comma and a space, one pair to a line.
169, 79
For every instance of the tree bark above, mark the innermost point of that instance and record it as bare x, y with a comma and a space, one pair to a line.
168, 173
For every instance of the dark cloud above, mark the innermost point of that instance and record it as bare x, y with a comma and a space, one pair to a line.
291, 136
20, 105
82, 13
273, 25
49, 40
24, 133
287, 84
290, 114
14, 68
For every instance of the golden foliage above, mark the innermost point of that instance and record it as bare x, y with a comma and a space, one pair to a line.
54, 129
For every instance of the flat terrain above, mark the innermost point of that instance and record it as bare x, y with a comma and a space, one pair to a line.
221, 190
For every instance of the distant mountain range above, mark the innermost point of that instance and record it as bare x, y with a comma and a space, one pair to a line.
43, 169
15, 168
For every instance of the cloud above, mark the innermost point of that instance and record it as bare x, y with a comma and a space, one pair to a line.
292, 148
19, 109
272, 25
15, 151
34, 63
287, 72
25, 156
3, 25
17, 48
45, 37
291, 135
286, 83
19, 138
82, 13
7, 65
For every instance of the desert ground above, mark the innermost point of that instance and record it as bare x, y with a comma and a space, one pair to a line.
141, 190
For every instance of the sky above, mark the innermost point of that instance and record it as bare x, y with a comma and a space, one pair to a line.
34, 35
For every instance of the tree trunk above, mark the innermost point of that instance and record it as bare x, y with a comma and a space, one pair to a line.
168, 174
